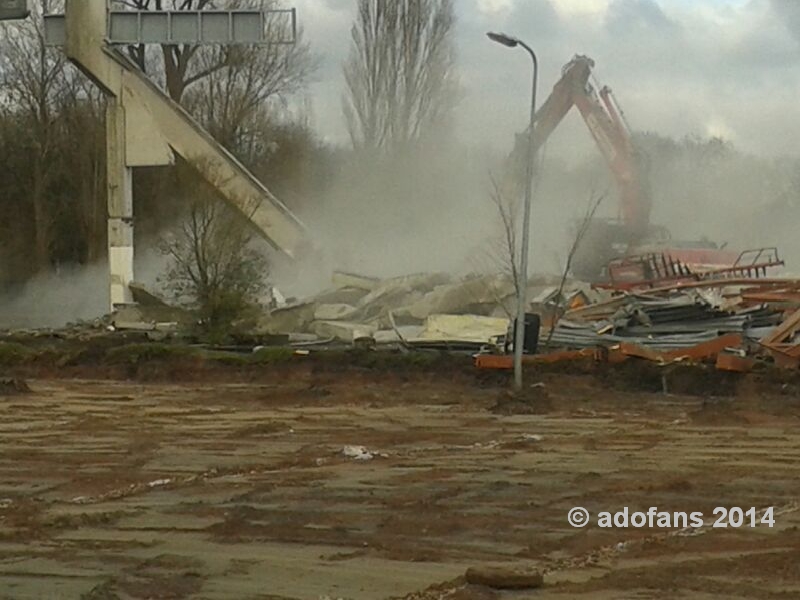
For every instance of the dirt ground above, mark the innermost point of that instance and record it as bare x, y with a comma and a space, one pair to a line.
112, 489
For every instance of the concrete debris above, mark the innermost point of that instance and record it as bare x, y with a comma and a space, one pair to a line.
291, 319
392, 336
479, 295
357, 453
462, 328
143, 318
350, 296
144, 297
344, 331
351, 280
416, 308
730, 323
333, 312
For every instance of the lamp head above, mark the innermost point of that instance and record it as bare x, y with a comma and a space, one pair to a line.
502, 38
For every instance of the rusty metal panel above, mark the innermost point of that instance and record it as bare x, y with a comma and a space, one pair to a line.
734, 363
708, 349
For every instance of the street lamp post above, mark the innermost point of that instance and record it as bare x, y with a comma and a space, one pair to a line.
519, 329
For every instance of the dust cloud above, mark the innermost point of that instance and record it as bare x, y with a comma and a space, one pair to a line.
69, 295
57, 298
432, 211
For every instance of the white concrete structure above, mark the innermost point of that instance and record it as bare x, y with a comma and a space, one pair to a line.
146, 128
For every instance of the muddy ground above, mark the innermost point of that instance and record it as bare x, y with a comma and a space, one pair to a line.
171, 483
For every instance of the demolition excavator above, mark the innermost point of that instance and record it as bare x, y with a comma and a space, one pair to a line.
629, 245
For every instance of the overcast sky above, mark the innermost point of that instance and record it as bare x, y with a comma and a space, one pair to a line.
708, 67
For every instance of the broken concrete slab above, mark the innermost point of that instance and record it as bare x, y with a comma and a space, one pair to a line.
463, 297
341, 279
392, 292
342, 330
287, 320
144, 297
392, 336
333, 312
348, 295
463, 328
131, 318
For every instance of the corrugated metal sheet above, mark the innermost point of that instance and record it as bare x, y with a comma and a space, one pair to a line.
681, 320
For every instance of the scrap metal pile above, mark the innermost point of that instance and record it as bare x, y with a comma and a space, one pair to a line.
732, 322
661, 322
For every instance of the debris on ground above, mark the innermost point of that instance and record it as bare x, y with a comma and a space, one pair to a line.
734, 324
427, 310
357, 453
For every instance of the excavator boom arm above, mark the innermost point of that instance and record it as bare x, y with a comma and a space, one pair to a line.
608, 130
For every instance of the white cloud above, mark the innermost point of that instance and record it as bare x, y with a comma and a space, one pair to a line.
493, 7
571, 8
678, 67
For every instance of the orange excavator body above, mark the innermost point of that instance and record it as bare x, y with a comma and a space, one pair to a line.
632, 233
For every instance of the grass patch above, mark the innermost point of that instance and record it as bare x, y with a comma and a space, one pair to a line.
139, 353
12, 353
271, 356
385, 360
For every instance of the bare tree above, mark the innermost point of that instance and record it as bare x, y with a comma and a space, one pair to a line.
504, 249
33, 80
178, 59
214, 268
580, 234
400, 77
234, 100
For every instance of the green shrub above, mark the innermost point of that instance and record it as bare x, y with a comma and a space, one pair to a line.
138, 353
13, 354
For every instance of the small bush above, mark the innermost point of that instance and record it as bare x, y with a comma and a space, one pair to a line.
14, 354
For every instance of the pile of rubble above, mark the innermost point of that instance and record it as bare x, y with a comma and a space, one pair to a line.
671, 320
734, 323
425, 310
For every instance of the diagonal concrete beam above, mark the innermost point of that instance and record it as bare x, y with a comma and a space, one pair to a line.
155, 127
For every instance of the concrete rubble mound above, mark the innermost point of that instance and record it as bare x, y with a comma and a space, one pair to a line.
733, 322
427, 310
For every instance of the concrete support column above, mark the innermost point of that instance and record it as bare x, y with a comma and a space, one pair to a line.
120, 206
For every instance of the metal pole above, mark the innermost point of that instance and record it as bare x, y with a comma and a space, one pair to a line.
522, 301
